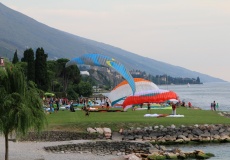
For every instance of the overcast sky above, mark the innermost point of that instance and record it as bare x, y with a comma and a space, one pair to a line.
194, 34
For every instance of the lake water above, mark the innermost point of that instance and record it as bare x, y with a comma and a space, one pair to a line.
221, 151
203, 94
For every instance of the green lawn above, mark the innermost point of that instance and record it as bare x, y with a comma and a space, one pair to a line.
77, 121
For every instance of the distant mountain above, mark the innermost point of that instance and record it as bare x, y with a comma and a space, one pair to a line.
18, 31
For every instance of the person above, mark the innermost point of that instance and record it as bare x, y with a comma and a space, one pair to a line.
57, 103
214, 105
149, 108
51, 105
217, 106
133, 107
84, 108
55, 107
87, 112
173, 109
71, 107
189, 104
141, 105
107, 105
183, 104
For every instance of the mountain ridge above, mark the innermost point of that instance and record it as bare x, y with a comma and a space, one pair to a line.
19, 32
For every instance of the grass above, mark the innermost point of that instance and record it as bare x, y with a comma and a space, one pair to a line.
77, 121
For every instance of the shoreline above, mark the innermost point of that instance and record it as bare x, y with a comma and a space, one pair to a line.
63, 150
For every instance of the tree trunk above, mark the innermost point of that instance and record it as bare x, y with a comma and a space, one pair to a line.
6, 146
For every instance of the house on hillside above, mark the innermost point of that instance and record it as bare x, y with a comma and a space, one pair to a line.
2, 62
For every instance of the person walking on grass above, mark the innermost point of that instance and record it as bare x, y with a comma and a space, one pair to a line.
217, 106
214, 105
148, 108
173, 109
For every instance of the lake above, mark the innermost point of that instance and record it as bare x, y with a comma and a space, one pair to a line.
201, 95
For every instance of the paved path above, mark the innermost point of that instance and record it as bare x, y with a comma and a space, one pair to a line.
35, 151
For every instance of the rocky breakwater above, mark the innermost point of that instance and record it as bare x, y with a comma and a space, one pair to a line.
183, 134
127, 150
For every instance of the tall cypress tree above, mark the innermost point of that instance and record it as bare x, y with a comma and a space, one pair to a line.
15, 58
41, 75
29, 58
25, 56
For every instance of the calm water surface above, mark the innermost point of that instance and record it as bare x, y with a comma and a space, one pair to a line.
202, 95
221, 151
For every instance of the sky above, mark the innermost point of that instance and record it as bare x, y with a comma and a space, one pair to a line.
193, 34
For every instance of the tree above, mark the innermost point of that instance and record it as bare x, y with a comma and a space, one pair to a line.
41, 75
15, 58
29, 59
71, 94
20, 105
84, 89
72, 73
30, 65
198, 80
23, 66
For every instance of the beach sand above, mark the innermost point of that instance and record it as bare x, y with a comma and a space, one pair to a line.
35, 151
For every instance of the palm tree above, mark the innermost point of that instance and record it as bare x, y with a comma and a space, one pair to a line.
20, 105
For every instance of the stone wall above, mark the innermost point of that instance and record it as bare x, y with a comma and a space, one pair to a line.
182, 134
156, 134
60, 136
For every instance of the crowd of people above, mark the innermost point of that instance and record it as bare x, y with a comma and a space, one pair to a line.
53, 104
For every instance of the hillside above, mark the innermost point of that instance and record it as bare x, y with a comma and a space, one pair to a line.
19, 31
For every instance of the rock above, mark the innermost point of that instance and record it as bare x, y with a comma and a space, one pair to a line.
179, 140
107, 130
131, 157
119, 153
91, 130
181, 155
221, 130
224, 137
99, 130
161, 126
173, 126
181, 137
171, 155
163, 148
